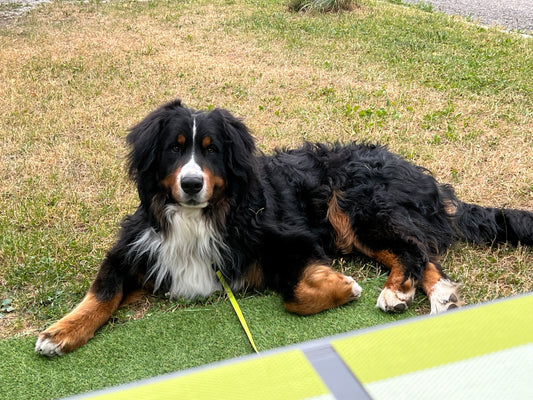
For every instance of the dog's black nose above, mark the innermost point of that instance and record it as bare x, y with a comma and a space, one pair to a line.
192, 184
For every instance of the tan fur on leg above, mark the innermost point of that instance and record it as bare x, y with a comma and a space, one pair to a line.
77, 327
321, 288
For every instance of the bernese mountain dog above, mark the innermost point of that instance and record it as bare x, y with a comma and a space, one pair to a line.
209, 201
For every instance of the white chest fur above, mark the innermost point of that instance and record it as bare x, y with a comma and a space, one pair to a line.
185, 253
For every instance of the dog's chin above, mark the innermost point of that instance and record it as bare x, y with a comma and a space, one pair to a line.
193, 204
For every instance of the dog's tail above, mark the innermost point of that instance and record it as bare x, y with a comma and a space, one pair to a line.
487, 225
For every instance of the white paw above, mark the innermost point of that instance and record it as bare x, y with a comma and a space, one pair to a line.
356, 289
48, 348
397, 301
444, 296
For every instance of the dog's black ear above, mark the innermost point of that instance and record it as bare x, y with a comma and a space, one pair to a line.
240, 152
144, 140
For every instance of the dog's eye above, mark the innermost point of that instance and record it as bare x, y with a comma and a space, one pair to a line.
211, 149
175, 148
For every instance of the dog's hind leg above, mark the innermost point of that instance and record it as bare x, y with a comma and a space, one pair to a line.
321, 288
407, 258
443, 294
400, 287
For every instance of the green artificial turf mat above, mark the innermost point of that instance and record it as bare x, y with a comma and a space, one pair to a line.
173, 341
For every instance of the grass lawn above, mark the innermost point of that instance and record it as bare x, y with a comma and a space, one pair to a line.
74, 76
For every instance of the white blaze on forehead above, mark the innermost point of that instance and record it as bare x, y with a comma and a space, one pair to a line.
193, 130
191, 168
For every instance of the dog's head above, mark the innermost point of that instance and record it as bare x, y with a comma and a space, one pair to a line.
193, 158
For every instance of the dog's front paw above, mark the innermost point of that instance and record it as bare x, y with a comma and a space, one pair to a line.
395, 301
47, 346
61, 338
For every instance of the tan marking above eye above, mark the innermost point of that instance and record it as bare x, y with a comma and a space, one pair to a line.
206, 142
181, 139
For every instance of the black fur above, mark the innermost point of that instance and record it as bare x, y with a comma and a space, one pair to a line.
265, 220
274, 212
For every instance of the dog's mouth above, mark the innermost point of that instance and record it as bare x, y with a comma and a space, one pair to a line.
193, 203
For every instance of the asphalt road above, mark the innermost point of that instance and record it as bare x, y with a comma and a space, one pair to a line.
507, 14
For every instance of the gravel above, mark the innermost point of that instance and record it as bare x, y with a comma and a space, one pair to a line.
507, 14
11, 9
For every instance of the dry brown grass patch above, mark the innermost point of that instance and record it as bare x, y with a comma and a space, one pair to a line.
76, 76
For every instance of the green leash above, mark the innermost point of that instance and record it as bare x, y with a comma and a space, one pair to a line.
237, 309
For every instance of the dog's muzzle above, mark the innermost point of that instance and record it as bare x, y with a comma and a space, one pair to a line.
191, 185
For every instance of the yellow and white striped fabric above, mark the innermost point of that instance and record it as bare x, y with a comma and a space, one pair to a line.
481, 352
